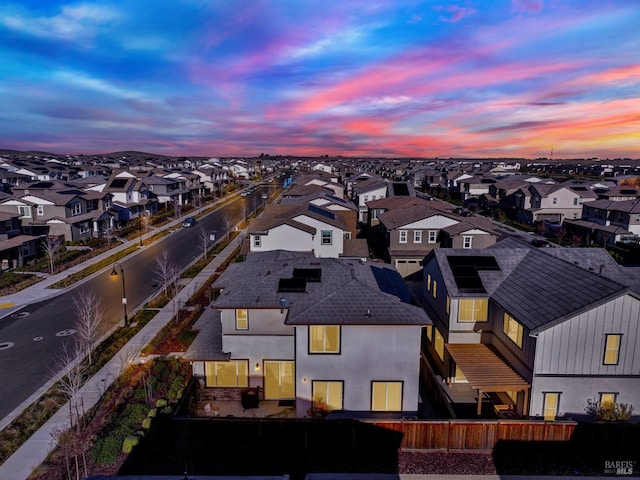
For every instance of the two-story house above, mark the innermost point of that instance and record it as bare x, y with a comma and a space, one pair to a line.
551, 203
15, 248
545, 330
308, 330
609, 221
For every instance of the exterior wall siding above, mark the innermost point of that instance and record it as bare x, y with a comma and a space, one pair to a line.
284, 237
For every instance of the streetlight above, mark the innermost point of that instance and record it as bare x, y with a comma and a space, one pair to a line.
114, 273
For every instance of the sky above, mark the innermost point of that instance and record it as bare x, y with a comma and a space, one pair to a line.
401, 78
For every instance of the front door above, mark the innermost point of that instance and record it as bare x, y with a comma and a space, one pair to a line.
279, 380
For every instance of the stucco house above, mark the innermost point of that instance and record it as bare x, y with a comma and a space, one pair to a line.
545, 329
302, 329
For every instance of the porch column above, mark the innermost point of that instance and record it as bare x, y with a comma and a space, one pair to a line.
525, 407
479, 402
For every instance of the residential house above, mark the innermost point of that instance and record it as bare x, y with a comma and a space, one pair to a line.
542, 330
608, 222
551, 203
302, 329
131, 198
365, 191
15, 248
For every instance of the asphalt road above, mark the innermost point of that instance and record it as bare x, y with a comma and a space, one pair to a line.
40, 331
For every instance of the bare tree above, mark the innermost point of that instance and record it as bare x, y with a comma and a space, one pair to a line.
203, 240
51, 247
73, 368
89, 316
227, 222
166, 271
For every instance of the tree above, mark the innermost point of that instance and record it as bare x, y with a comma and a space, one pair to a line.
51, 247
89, 316
203, 240
227, 222
166, 272
70, 363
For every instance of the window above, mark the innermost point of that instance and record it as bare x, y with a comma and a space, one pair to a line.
403, 236
347, 235
473, 309
242, 319
40, 210
434, 290
417, 236
84, 228
279, 379
432, 236
555, 200
324, 339
428, 282
513, 329
608, 397
227, 374
386, 396
76, 209
327, 237
466, 241
328, 393
550, 408
438, 343
448, 307
257, 241
24, 211
430, 332
611, 349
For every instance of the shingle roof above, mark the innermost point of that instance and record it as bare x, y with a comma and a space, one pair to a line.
346, 292
208, 343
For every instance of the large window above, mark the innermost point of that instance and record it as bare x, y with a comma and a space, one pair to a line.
327, 237
279, 380
328, 393
234, 373
242, 319
324, 339
550, 408
386, 396
473, 309
403, 236
438, 343
608, 397
513, 329
24, 211
611, 349
76, 209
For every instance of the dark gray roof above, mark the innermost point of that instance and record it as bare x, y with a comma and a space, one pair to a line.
543, 290
208, 343
348, 290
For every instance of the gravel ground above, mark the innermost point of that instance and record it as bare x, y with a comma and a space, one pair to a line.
446, 463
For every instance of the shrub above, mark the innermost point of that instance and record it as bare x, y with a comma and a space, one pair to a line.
152, 413
129, 443
106, 450
146, 423
609, 411
161, 403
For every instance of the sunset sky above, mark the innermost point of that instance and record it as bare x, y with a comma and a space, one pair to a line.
474, 78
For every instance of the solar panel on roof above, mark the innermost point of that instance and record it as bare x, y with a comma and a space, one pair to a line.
321, 211
627, 191
308, 274
337, 199
390, 281
465, 271
118, 182
292, 285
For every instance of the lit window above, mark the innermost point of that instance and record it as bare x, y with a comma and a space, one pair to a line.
327, 394
434, 290
324, 339
432, 236
327, 237
242, 319
430, 332
257, 241
234, 373
386, 396
428, 282
403, 236
612, 349
551, 401
473, 309
606, 397
417, 236
466, 241
279, 379
448, 304
438, 343
513, 329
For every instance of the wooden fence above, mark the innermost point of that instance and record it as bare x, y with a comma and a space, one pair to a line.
474, 435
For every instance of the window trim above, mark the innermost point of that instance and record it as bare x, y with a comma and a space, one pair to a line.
387, 383
433, 237
326, 237
613, 394
403, 236
324, 337
257, 241
238, 362
239, 319
436, 346
467, 242
606, 348
474, 300
544, 405
76, 209
417, 236
313, 394
24, 211
507, 319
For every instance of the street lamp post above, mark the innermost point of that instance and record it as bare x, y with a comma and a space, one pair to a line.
114, 273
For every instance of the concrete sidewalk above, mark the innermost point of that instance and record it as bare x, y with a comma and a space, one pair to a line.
35, 450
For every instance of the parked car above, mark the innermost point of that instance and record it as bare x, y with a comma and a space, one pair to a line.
189, 222
540, 243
